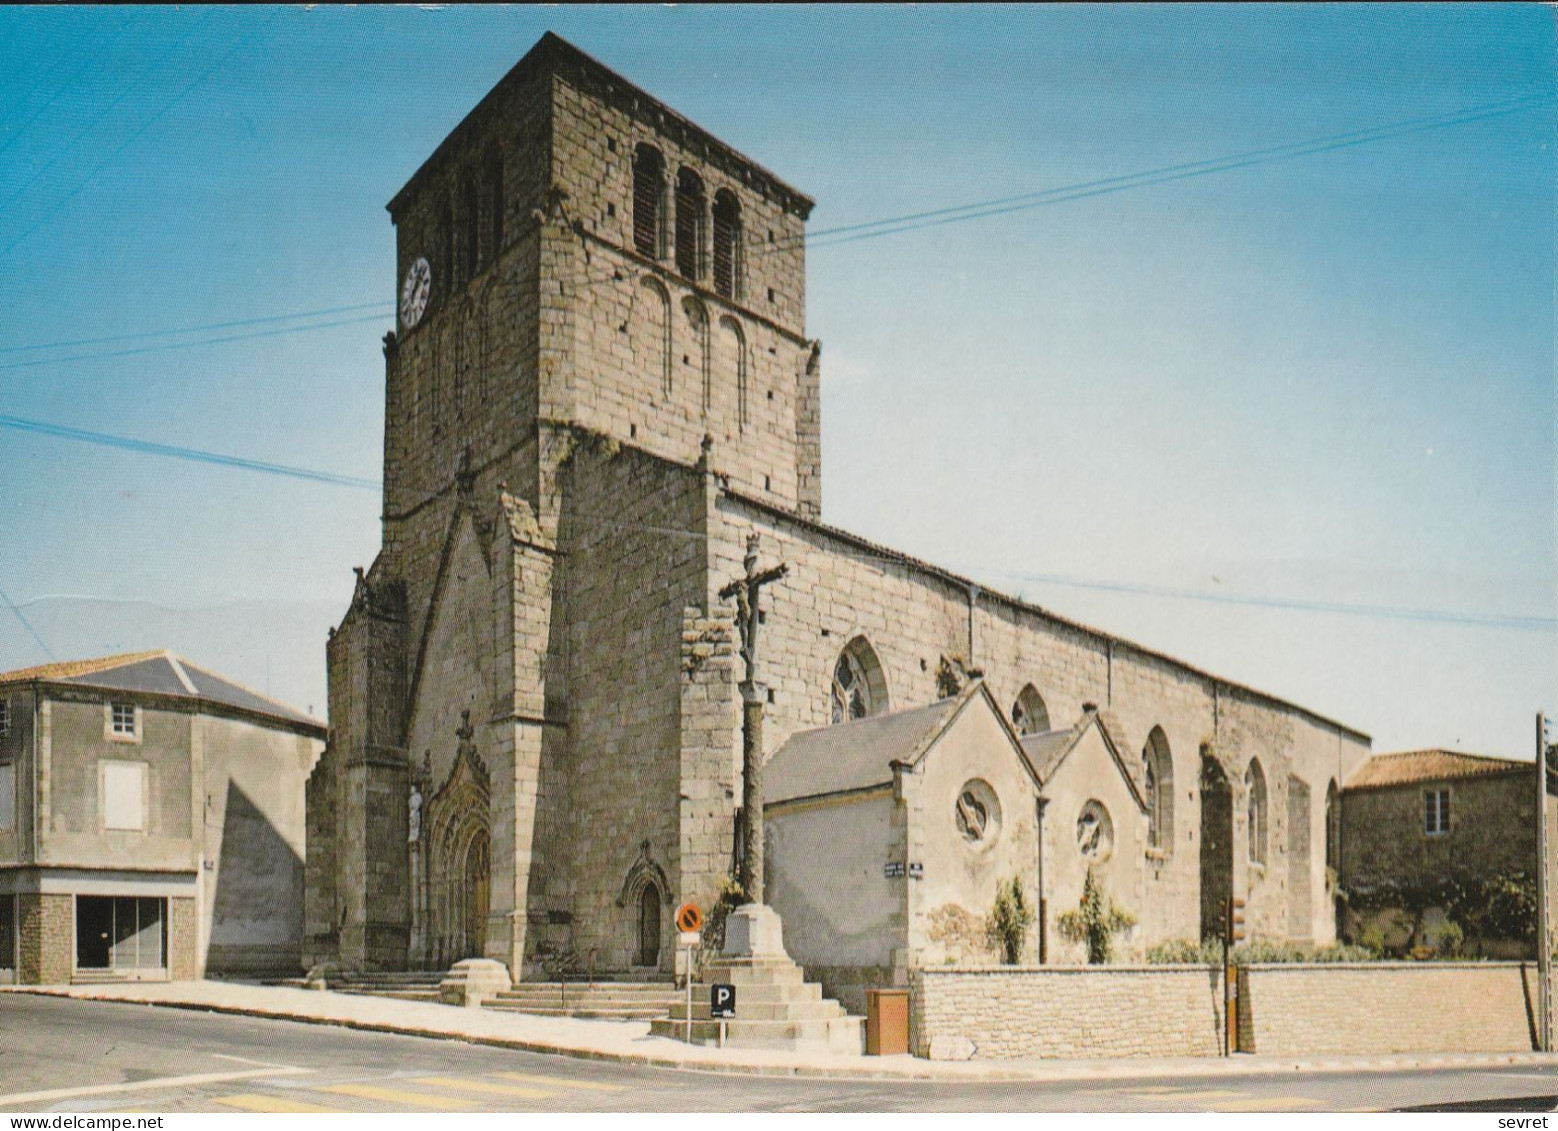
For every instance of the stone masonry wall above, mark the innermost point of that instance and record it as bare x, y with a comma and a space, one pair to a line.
912, 615
1374, 1008
1007, 1012
630, 563
661, 359
183, 941
46, 925
1384, 837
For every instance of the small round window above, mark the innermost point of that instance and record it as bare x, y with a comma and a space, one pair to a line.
1095, 832
977, 813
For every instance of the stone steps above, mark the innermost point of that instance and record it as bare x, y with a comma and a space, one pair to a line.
396, 985
626, 1001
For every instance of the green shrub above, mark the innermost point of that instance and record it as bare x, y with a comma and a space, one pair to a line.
1009, 921
1209, 952
1095, 921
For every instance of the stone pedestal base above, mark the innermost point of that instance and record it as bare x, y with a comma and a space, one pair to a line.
776, 1008
754, 931
473, 980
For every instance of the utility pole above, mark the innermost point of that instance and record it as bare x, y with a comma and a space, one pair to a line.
1544, 938
746, 590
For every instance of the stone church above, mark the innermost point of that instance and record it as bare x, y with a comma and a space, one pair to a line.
600, 387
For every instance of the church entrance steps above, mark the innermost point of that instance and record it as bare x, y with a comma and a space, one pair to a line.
408, 985
625, 1001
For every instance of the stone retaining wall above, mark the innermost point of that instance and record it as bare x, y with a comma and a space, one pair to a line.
1386, 1007
956, 1013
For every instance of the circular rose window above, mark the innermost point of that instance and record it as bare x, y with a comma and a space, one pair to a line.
1095, 832
977, 813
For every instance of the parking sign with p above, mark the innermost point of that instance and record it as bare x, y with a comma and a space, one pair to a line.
722, 1000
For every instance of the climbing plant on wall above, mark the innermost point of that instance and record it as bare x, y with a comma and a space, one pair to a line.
1095, 921
1010, 919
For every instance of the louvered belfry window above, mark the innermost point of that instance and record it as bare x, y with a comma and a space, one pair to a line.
689, 224
648, 177
727, 245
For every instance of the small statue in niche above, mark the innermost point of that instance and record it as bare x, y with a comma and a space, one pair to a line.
414, 816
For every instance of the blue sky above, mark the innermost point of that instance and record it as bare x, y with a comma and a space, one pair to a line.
1324, 381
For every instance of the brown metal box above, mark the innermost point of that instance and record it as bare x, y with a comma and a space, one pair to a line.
887, 1022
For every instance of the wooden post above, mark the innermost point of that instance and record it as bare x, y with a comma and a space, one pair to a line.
1544, 940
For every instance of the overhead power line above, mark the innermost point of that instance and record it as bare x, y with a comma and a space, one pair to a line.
386, 305
129, 141
164, 346
1391, 612
103, 112
871, 229
27, 624
1443, 616
195, 455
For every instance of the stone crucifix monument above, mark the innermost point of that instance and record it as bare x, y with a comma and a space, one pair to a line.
774, 1006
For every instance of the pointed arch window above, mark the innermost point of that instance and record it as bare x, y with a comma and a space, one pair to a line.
858, 688
1255, 789
648, 200
1029, 714
691, 224
1158, 782
727, 245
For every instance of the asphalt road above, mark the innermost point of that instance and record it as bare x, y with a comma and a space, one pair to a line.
82, 1056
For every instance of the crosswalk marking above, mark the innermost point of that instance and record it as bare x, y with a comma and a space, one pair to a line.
395, 1096
559, 1081
483, 1086
274, 1104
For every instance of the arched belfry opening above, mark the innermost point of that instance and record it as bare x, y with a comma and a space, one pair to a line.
1216, 844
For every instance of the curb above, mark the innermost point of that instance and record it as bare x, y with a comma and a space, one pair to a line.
1070, 1071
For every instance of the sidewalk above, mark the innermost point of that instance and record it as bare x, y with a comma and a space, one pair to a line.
629, 1042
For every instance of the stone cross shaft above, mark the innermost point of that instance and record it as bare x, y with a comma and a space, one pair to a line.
747, 590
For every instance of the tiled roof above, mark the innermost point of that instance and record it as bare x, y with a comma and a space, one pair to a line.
1411, 766
161, 673
854, 755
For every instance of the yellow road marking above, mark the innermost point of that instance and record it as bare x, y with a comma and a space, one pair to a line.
1188, 1096
1270, 1103
482, 1086
143, 1085
395, 1096
276, 1104
560, 1081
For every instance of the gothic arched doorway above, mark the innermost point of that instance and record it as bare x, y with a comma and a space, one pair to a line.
478, 896
648, 926
1216, 845
457, 835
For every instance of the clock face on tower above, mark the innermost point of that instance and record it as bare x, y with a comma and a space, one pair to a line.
414, 292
